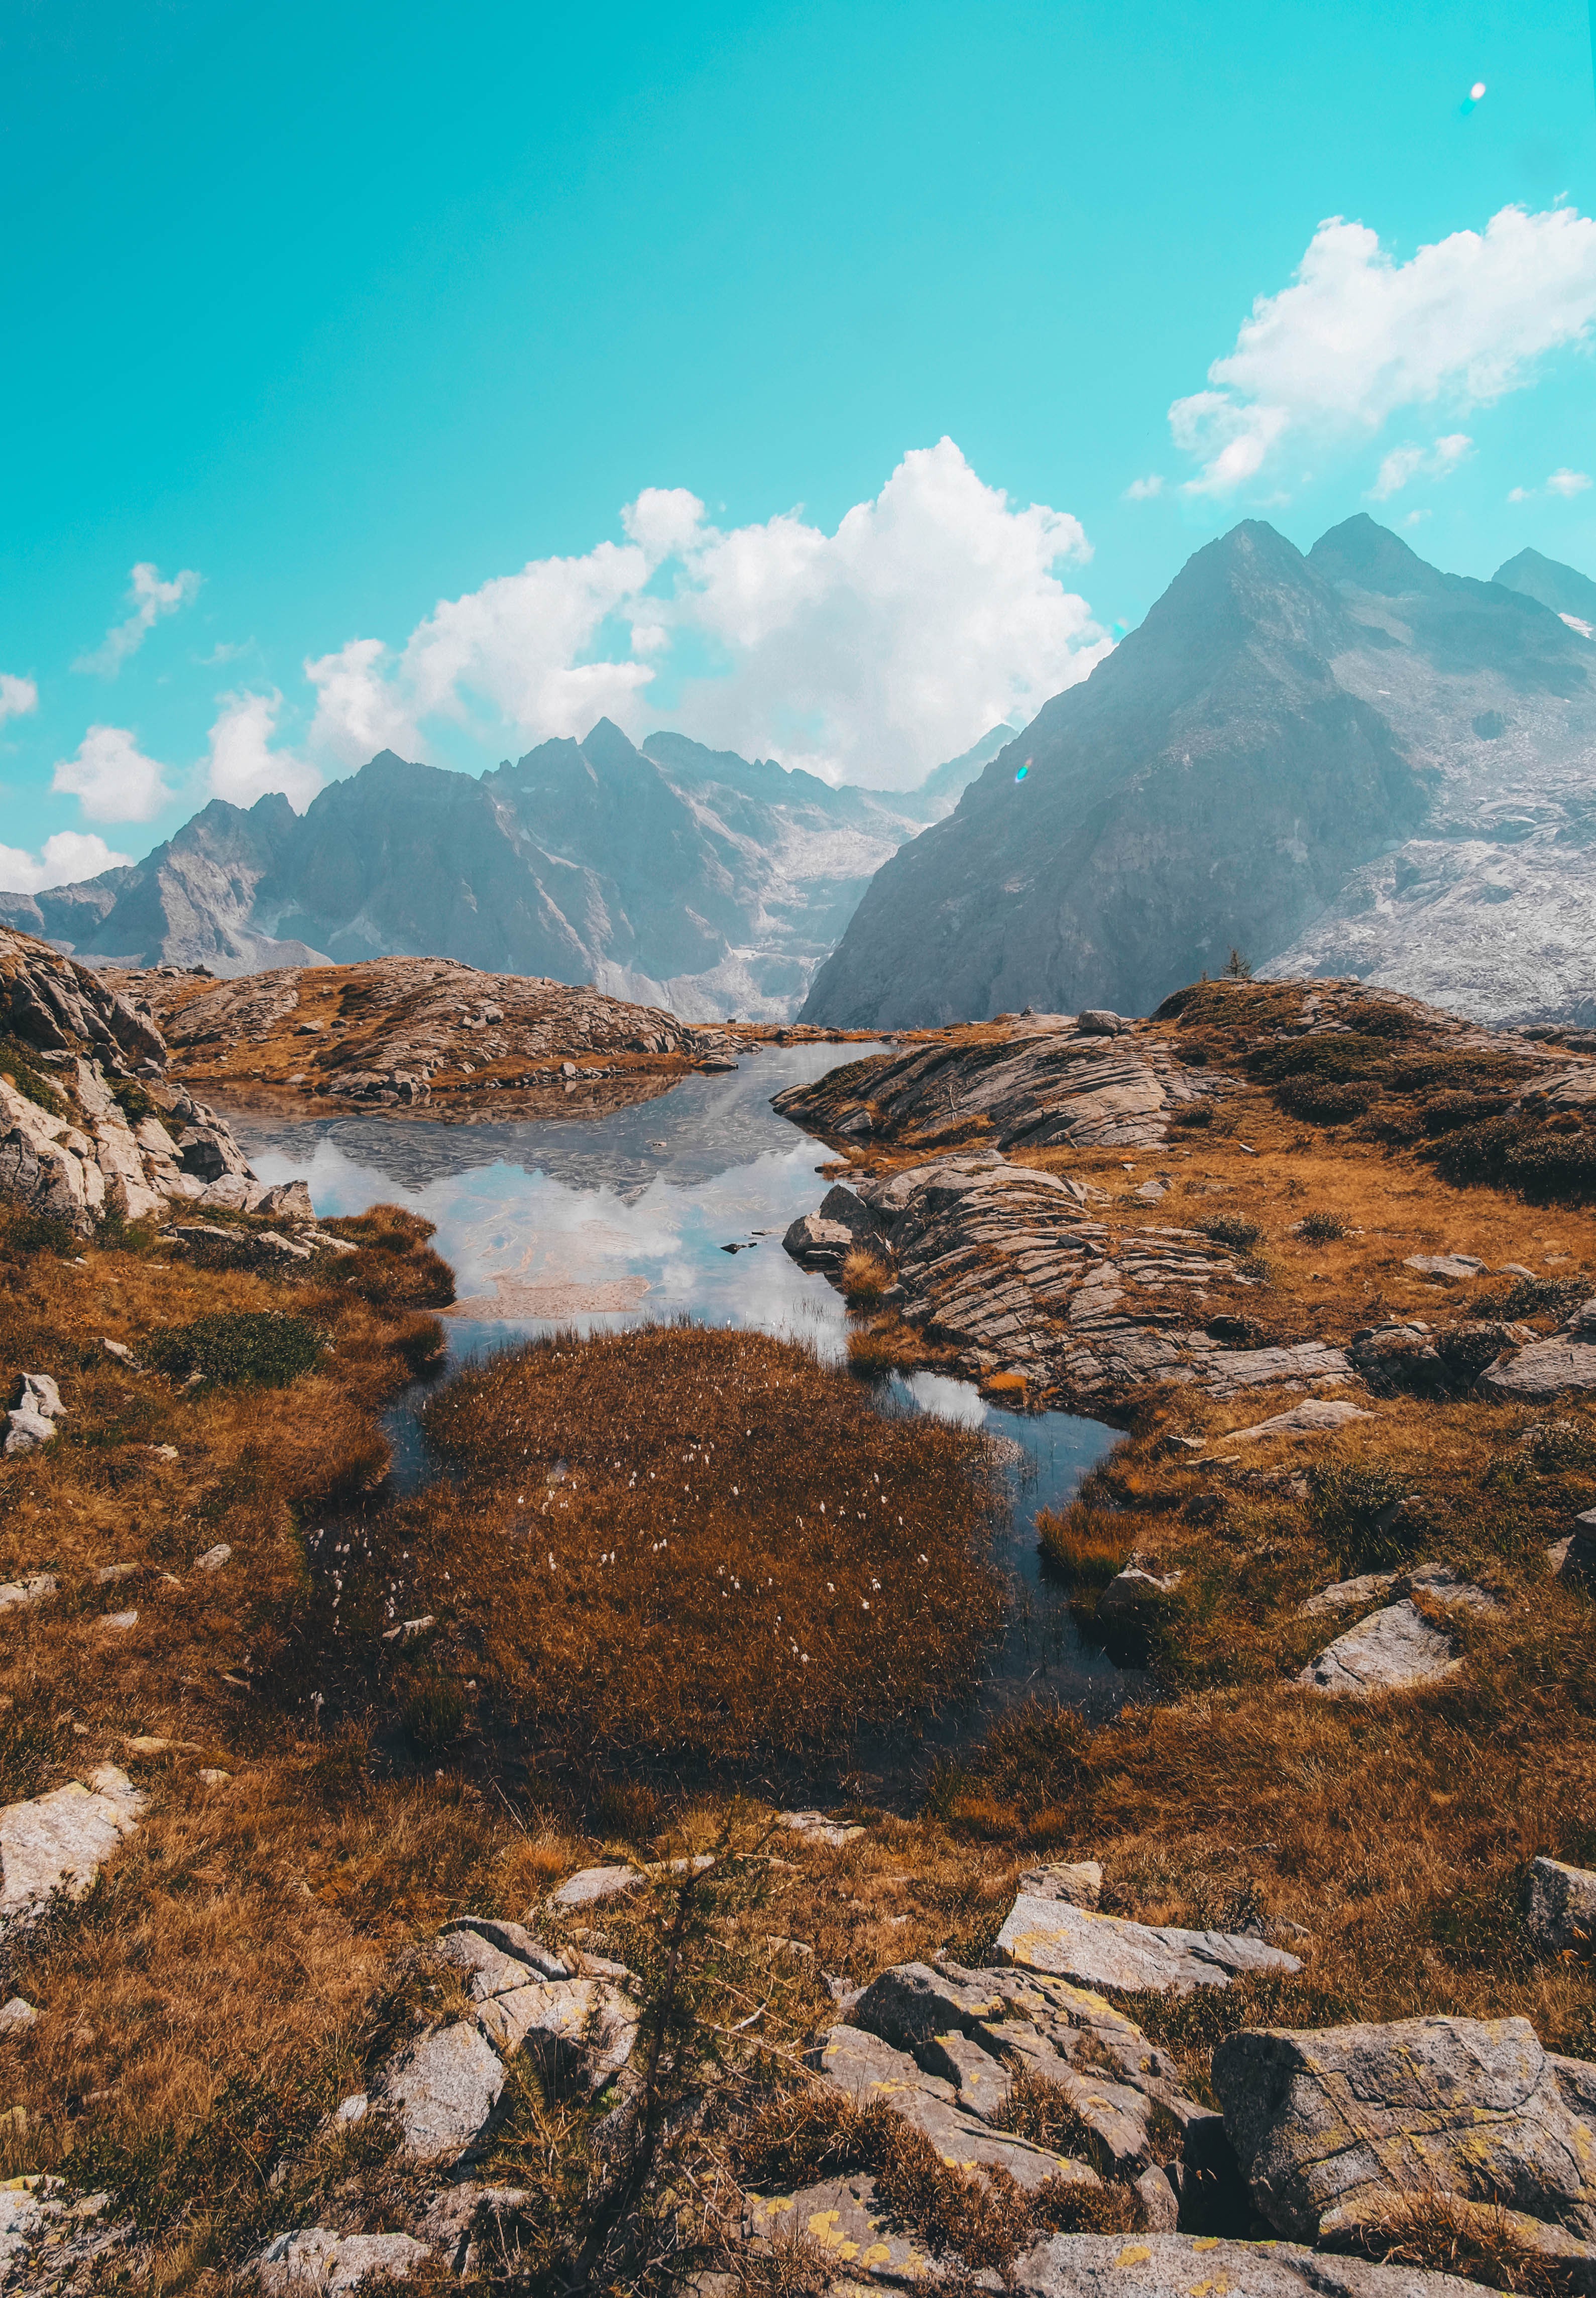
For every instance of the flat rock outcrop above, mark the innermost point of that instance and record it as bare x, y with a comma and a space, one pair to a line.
1180, 2266
1046, 1082
1004, 1268
1390, 1651
1052, 1937
53, 1846
1329, 2125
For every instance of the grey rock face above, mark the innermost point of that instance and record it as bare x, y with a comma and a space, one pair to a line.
1305, 756
443, 2089
1562, 1906
675, 875
873, 2071
1329, 2125
54, 1845
1390, 1651
1081, 1882
1557, 1366
315, 2260
1093, 1950
1157, 2265
1012, 1269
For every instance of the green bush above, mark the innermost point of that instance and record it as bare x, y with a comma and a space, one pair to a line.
1518, 1153
133, 1101
30, 1082
1322, 1228
1228, 1228
1323, 1102
240, 1348
1360, 1514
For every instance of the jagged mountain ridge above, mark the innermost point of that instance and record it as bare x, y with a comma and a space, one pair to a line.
1337, 762
671, 875
1564, 589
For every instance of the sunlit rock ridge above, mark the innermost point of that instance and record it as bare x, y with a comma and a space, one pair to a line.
1347, 763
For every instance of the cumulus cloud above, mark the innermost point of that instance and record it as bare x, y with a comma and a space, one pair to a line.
872, 653
1143, 490
149, 599
1358, 336
67, 856
243, 765
1404, 464
112, 777
18, 696
1564, 483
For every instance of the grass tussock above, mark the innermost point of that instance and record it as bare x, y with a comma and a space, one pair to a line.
695, 1543
982, 2219
1088, 1545
865, 1276
886, 1345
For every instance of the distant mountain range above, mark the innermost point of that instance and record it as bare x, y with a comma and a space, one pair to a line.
1346, 762
673, 875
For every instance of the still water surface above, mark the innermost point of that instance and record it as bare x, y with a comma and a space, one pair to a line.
604, 1221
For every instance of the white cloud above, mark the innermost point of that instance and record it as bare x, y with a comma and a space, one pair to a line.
1358, 336
111, 777
872, 653
1143, 490
243, 765
357, 711
18, 696
149, 599
1403, 464
1565, 482
67, 856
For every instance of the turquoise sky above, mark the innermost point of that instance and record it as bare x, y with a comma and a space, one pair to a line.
345, 310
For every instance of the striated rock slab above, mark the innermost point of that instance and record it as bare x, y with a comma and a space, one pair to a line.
1095, 1950
1006, 1266
1329, 2125
1392, 1650
1052, 1078
1559, 1366
867, 2069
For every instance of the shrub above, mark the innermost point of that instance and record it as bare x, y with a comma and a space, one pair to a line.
1324, 1102
1230, 1229
133, 1101
1333, 1060
23, 1237
865, 1276
1193, 1113
1361, 1514
238, 1349
1322, 1228
1519, 1152
29, 1081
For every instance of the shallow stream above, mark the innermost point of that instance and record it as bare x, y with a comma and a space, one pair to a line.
598, 1222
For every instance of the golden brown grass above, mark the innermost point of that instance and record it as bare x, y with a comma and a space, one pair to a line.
865, 1276
693, 1543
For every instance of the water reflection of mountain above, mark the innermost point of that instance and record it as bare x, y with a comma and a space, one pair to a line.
688, 1133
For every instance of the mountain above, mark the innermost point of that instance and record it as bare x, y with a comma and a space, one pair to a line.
673, 875
1564, 589
1344, 762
